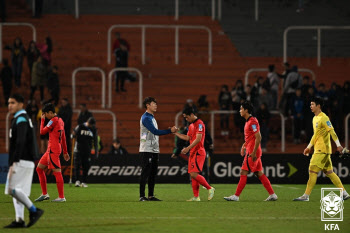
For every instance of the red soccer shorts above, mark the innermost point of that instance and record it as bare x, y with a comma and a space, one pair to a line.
196, 162
251, 166
51, 160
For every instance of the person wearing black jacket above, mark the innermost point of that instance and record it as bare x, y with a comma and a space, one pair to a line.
84, 114
85, 135
22, 153
53, 85
6, 79
122, 56
66, 113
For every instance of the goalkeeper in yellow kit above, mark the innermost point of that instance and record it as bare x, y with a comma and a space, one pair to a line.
321, 159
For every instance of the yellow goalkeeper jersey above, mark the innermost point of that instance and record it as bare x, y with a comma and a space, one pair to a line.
321, 138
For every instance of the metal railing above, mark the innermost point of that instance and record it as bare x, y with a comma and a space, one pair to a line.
212, 122
143, 38
246, 76
77, 9
318, 28
110, 76
114, 118
103, 75
15, 24
347, 130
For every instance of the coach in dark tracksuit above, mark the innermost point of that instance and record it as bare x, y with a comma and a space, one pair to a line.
149, 148
85, 135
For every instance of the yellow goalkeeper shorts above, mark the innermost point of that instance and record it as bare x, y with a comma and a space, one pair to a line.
323, 161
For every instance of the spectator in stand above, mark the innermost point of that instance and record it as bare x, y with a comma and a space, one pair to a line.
189, 103
308, 115
32, 111
336, 100
263, 115
265, 97
286, 71
66, 113
346, 92
46, 50
237, 96
117, 149
203, 106
84, 114
293, 81
297, 110
121, 55
322, 92
32, 55
6, 79
17, 55
38, 78
118, 41
53, 85
224, 103
256, 90
306, 85
274, 82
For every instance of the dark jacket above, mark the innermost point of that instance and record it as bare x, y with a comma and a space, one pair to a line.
23, 145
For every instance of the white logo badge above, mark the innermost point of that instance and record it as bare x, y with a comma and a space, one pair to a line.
332, 204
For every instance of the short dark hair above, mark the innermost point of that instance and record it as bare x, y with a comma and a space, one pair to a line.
247, 105
83, 105
116, 141
91, 121
17, 97
318, 101
271, 68
189, 110
148, 100
48, 107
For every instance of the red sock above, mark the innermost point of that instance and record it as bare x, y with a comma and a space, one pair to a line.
201, 180
241, 184
195, 187
266, 182
59, 182
42, 179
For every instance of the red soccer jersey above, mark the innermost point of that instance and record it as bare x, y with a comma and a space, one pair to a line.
197, 127
250, 129
57, 137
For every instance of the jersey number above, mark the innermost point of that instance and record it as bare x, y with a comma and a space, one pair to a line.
60, 137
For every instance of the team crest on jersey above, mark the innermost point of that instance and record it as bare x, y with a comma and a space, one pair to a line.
50, 123
254, 128
329, 124
200, 127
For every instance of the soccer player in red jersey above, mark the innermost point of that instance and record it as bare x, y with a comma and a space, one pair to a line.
251, 151
51, 158
196, 136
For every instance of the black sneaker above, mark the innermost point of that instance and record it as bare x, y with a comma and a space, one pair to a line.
153, 199
15, 224
143, 199
34, 216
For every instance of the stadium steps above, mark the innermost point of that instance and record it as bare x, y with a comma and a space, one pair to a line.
77, 43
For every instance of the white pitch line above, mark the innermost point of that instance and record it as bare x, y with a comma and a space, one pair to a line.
179, 218
280, 186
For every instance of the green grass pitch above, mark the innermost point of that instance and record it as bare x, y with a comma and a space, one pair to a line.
115, 208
